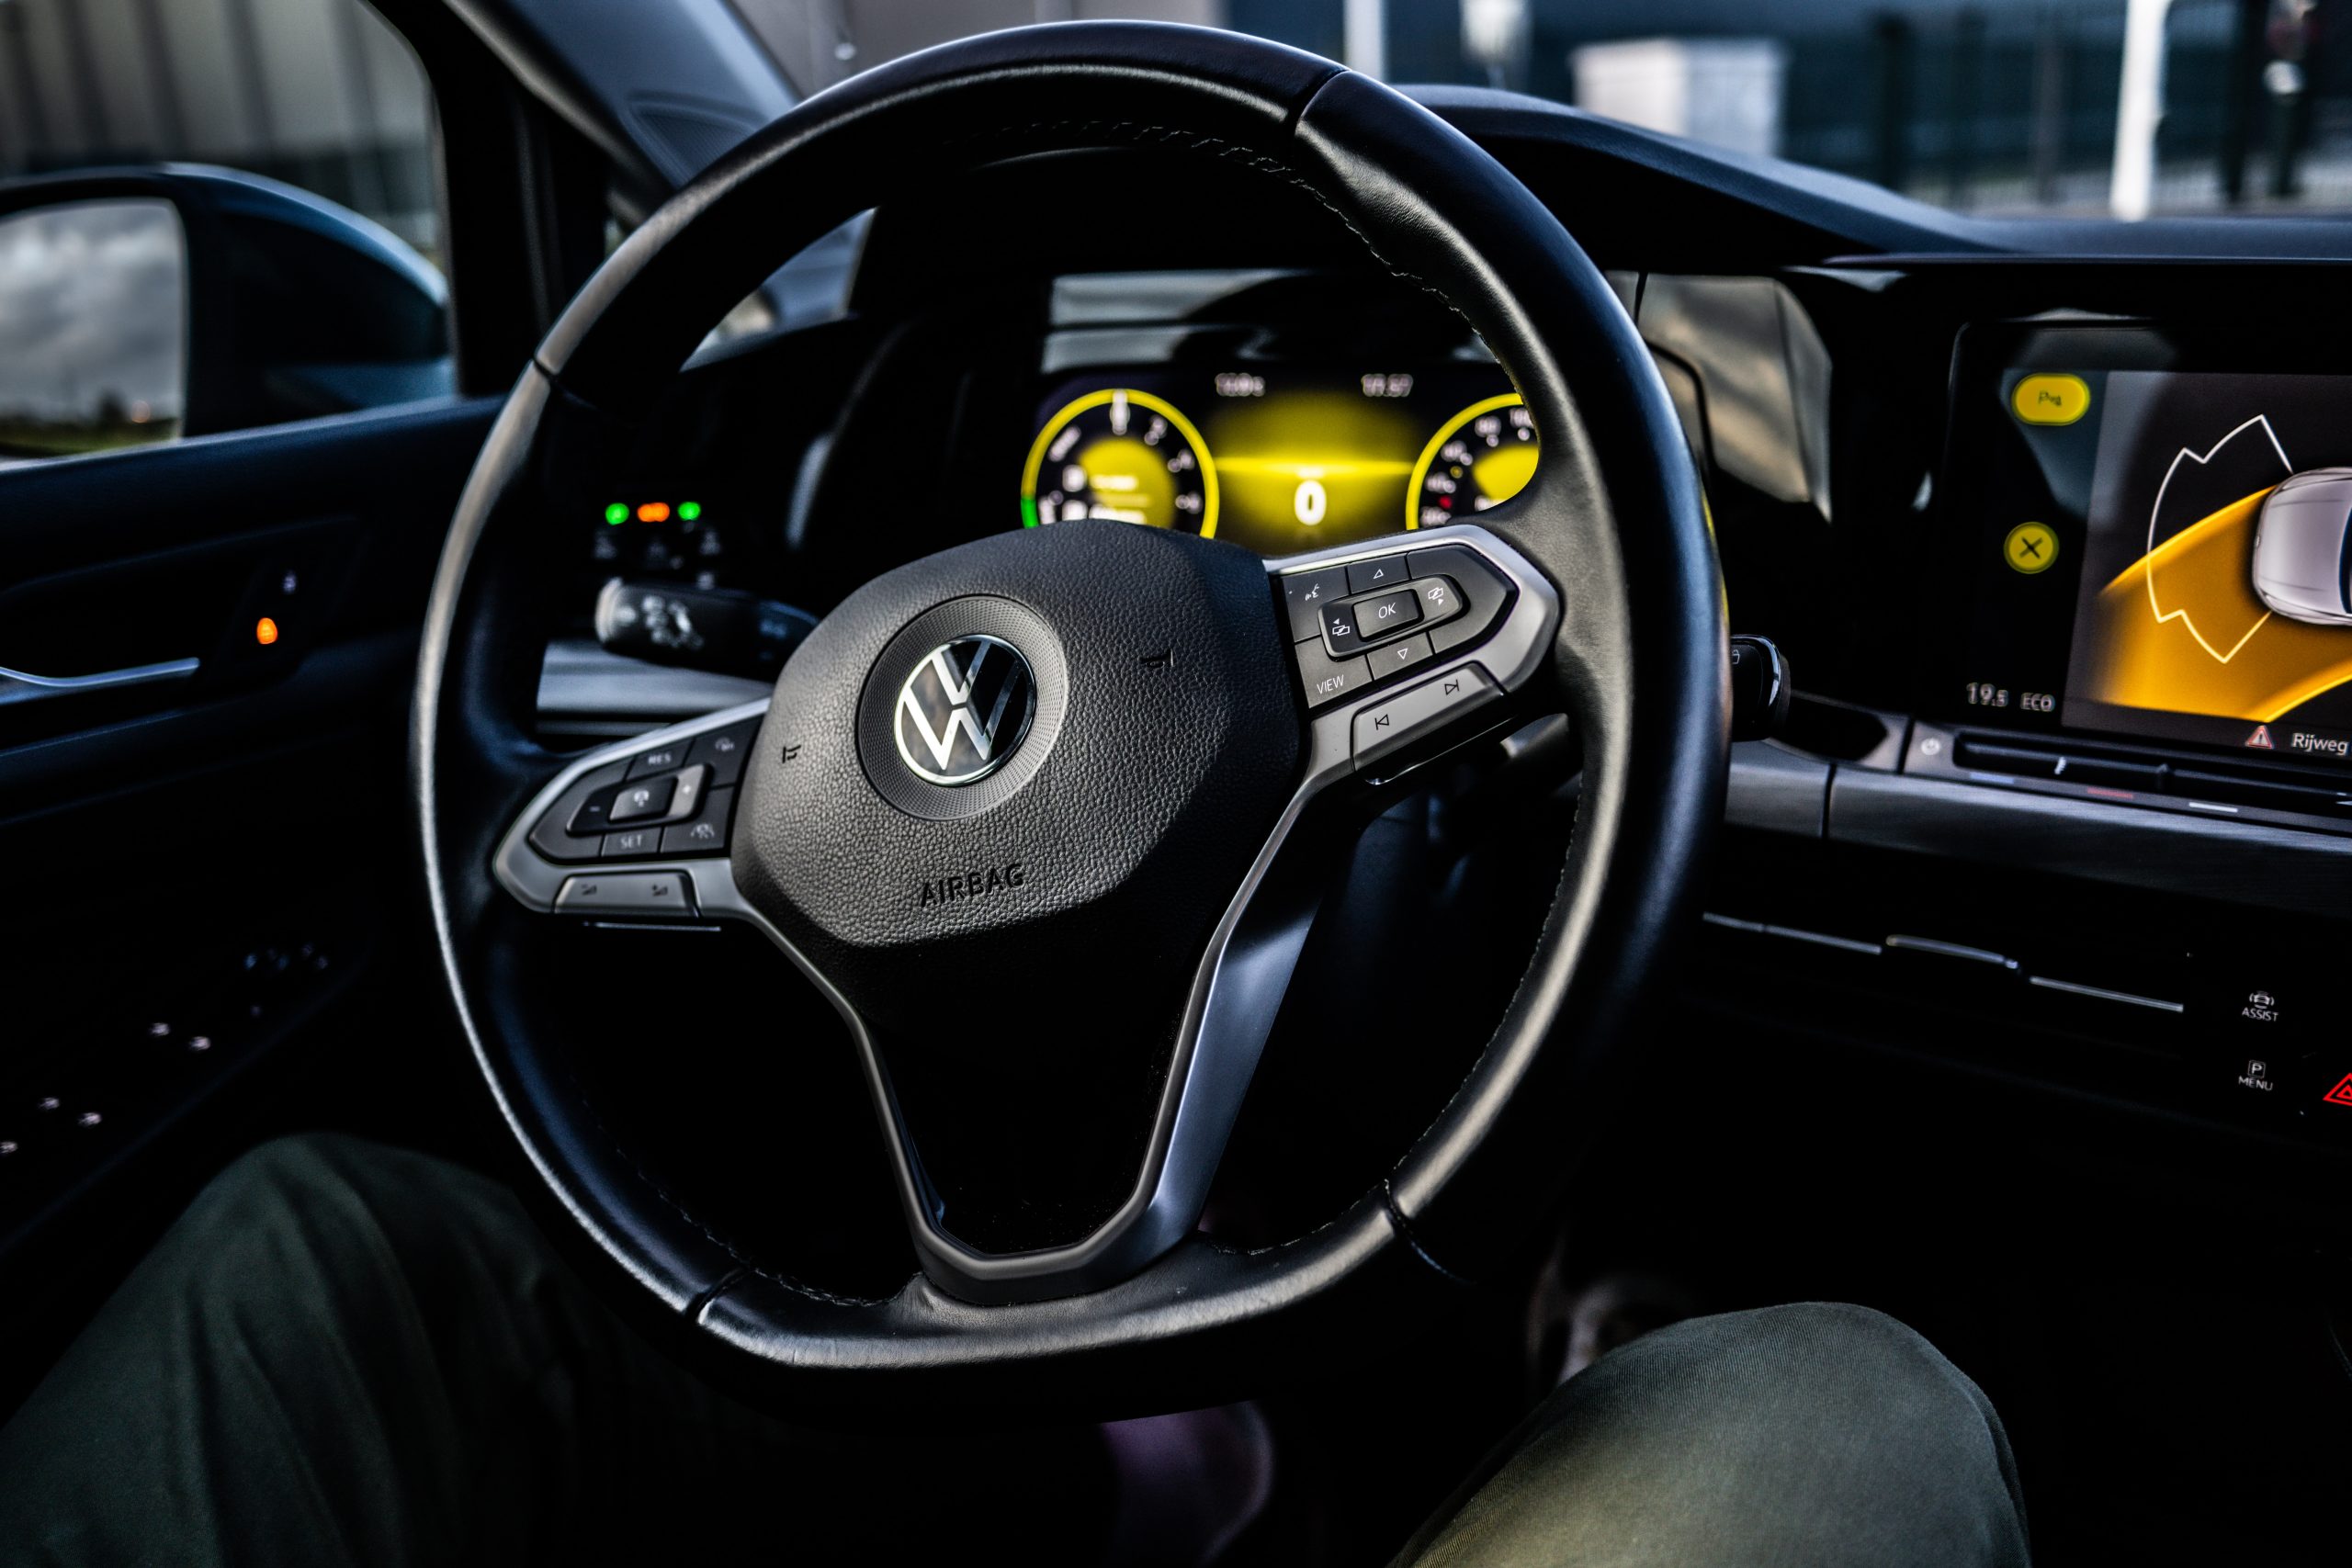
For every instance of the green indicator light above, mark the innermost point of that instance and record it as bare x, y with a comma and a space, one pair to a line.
1028, 512
617, 513
689, 510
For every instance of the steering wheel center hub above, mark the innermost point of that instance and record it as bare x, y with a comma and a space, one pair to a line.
1080, 732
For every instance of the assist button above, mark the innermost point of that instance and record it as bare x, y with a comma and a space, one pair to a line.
1410, 714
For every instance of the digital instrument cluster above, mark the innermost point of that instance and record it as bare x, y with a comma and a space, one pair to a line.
1276, 458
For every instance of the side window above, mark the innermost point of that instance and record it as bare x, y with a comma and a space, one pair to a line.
214, 214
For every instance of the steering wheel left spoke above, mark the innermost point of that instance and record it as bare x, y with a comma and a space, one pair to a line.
636, 832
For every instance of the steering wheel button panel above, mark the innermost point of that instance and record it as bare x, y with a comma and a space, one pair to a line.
635, 893
1325, 680
1385, 614
1397, 656
634, 843
569, 829
635, 802
657, 760
1307, 594
1384, 727
723, 751
1339, 628
705, 832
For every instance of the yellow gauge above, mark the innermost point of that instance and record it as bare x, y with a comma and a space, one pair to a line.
1122, 455
1483, 455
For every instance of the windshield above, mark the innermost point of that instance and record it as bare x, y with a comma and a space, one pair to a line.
2077, 108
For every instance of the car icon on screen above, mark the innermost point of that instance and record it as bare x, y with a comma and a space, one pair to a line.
2303, 547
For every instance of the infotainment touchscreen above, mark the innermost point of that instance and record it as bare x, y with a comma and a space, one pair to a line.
2184, 536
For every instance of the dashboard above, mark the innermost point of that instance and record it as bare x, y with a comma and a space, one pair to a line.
2053, 522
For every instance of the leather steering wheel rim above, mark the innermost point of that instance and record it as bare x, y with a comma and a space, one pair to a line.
1615, 519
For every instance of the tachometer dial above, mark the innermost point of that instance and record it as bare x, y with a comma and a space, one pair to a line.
1124, 456
1483, 455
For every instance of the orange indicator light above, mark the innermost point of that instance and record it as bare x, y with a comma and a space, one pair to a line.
653, 512
264, 631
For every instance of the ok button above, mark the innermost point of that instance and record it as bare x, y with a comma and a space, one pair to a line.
1389, 613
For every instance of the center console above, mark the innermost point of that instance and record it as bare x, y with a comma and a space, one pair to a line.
2127, 755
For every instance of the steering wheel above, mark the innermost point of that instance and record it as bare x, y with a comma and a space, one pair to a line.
1122, 746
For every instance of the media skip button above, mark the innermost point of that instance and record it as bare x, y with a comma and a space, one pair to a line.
1408, 715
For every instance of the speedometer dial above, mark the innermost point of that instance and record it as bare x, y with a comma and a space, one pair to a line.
1123, 456
1483, 455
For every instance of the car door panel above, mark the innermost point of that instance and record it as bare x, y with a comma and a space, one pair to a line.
208, 865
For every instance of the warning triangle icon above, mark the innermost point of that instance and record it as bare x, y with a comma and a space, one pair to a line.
2260, 739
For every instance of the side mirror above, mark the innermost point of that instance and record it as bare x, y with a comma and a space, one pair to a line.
141, 304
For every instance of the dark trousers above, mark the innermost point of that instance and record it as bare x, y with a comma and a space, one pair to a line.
349, 1354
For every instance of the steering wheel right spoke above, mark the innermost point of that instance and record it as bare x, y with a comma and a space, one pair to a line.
1399, 646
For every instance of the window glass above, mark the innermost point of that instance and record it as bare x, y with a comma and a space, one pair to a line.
2088, 107
214, 214
92, 327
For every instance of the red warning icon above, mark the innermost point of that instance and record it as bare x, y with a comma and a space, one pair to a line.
2260, 739
2342, 1093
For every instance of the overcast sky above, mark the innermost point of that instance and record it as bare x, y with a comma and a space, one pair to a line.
92, 304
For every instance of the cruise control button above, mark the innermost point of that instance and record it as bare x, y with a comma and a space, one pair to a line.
658, 759
1410, 714
631, 893
1363, 576
1306, 594
705, 832
1484, 590
636, 843
689, 794
723, 750
595, 813
1386, 661
1325, 679
637, 801
1388, 613
549, 834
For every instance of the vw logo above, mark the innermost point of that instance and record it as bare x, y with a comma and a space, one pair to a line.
963, 712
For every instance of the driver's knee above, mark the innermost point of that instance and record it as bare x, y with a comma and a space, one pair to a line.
318, 1245
1816, 1433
